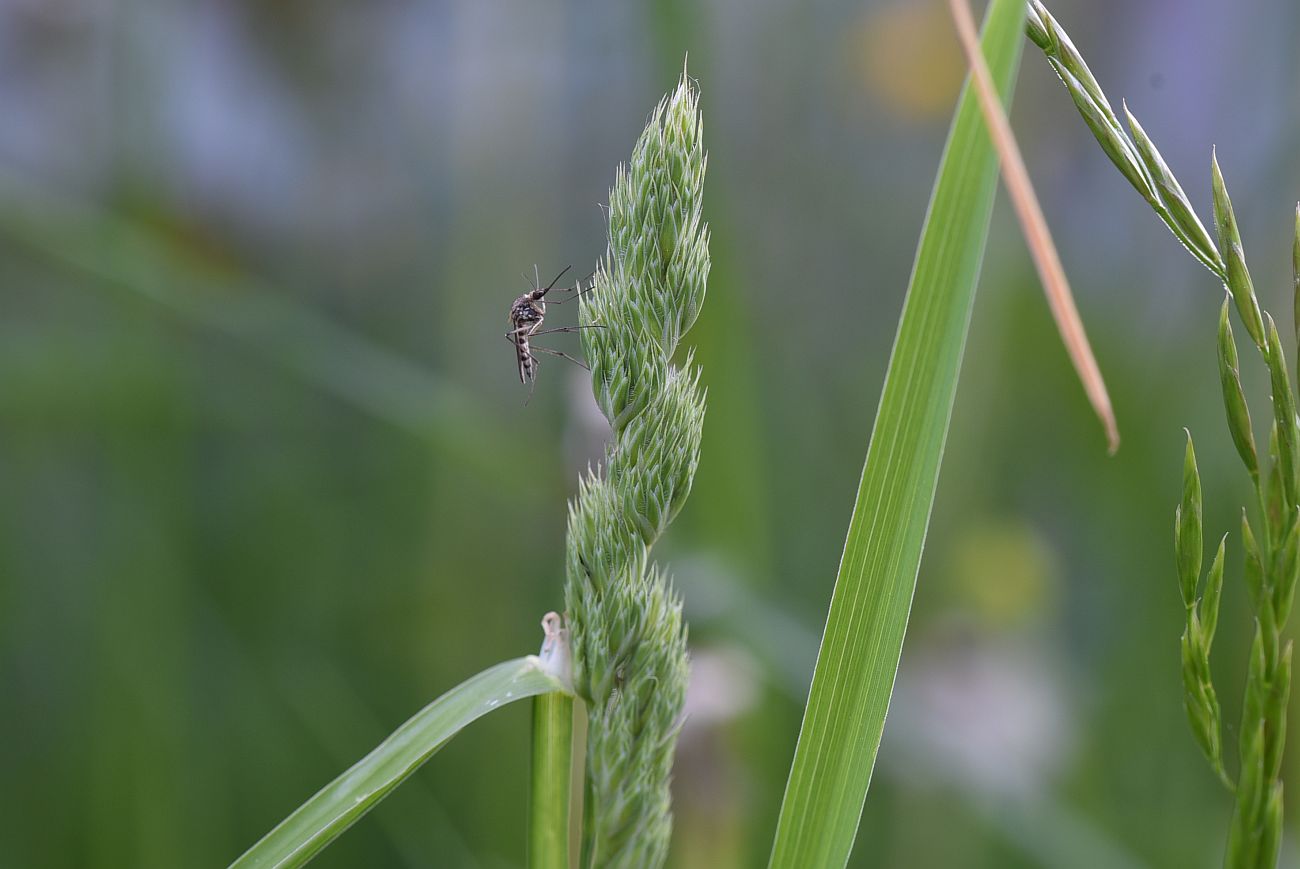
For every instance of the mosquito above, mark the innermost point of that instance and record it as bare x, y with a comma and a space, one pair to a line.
526, 317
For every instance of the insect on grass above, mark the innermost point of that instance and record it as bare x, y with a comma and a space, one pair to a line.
527, 315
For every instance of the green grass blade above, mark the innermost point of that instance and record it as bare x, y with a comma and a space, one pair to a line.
860, 649
127, 254
549, 799
340, 803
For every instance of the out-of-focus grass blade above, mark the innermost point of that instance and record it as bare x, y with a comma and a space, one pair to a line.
340, 803
125, 253
863, 640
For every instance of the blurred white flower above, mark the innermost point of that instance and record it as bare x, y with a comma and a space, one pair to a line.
723, 686
980, 712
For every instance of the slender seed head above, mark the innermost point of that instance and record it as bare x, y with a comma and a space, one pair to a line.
1288, 435
1185, 224
1275, 713
1270, 839
1208, 610
1237, 276
1101, 120
1254, 572
1199, 699
1234, 397
1036, 26
1187, 532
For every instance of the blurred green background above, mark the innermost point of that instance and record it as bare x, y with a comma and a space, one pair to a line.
270, 483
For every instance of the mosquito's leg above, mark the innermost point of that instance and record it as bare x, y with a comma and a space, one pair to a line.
567, 329
577, 362
576, 292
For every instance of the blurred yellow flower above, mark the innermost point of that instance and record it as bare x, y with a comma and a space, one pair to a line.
1004, 573
905, 54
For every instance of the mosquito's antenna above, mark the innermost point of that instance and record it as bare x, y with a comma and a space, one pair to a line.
542, 293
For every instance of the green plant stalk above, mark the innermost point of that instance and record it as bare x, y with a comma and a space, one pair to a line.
1272, 545
860, 649
339, 804
552, 764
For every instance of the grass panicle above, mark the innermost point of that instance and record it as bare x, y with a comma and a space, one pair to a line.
1272, 545
625, 621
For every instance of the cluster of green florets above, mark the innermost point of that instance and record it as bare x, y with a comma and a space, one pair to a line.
625, 622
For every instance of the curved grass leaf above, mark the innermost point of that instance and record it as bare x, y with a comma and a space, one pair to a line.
339, 804
860, 649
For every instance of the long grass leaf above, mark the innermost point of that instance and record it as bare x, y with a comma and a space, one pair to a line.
863, 640
339, 804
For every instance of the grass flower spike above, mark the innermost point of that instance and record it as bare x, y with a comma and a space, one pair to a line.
629, 642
